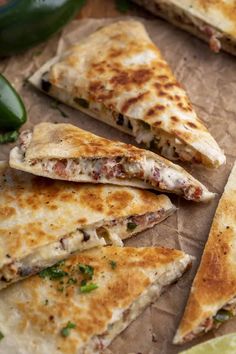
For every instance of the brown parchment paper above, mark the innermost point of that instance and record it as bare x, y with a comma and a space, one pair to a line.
210, 80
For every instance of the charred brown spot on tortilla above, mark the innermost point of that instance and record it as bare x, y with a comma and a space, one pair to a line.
117, 201
156, 109
121, 78
141, 76
114, 52
93, 200
174, 119
158, 122
82, 221
163, 77
132, 101
96, 87
184, 106
6, 212
192, 125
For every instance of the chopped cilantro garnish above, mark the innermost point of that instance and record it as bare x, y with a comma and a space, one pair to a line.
88, 287
113, 264
46, 302
53, 273
72, 281
83, 282
131, 225
65, 331
1, 335
87, 270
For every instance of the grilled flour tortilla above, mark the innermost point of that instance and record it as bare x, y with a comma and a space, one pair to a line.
48, 314
63, 151
118, 75
43, 221
212, 299
212, 21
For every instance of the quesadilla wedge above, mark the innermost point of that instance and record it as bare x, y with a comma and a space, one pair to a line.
212, 21
99, 292
63, 151
212, 299
43, 221
118, 75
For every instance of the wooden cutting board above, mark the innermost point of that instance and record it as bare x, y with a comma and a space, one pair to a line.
107, 8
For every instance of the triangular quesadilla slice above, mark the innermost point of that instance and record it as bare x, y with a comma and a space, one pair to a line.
119, 76
43, 221
80, 306
212, 299
212, 21
63, 151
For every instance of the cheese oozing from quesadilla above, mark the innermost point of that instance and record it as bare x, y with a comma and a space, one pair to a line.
118, 75
212, 299
63, 151
81, 305
212, 21
44, 221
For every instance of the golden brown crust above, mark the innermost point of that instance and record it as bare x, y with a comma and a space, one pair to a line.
118, 287
215, 282
68, 141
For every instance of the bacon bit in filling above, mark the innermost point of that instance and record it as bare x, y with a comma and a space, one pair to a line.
148, 171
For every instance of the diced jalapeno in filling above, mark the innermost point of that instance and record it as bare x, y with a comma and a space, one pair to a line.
81, 102
131, 225
222, 316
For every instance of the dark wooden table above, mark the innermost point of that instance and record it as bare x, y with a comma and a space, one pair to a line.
107, 8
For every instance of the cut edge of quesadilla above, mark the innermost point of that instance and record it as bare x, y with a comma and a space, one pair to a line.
189, 141
125, 281
196, 22
212, 299
90, 158
104, 232
112, 232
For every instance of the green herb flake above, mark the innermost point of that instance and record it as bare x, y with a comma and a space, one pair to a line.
72, 281
83, 282
86, 270
131, 226
88, 288
1, 335
65, 331
123, 5
113, 264
53, 273
81, 102
46, 302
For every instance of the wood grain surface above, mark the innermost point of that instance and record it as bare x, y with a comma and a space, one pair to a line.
107, 8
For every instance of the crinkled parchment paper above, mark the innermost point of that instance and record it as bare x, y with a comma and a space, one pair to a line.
210, 80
